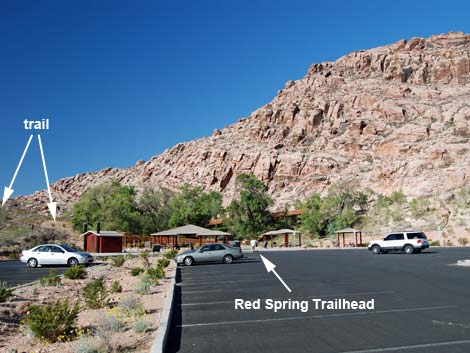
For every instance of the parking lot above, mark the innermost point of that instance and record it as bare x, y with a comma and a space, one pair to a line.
421, 303
16, 273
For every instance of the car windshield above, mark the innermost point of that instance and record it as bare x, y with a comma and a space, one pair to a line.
68, 248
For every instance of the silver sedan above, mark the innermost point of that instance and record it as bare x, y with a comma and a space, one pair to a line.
54, 254
209, 253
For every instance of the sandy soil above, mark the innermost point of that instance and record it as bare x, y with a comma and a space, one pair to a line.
15, 338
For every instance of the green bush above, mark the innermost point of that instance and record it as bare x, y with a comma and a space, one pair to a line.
118, 261
95, 294
115, 287
5, 292
51, 280
75, 272
155, 274
145, 284
164, 262
434, 243
171, 254
136, 271
14, 256
52, 322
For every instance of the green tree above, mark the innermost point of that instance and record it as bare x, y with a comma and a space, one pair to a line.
312, 220
341, 208
111, 204
193, 206
249, 215
155, 207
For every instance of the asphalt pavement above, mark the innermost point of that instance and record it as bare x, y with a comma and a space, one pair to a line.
421, 303
16, 273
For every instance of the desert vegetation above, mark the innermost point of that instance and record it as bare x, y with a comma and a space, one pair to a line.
99, 310
342, 205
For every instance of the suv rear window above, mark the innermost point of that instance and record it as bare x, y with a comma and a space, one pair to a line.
416, 235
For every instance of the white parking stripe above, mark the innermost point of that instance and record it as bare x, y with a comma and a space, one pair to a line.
416, 346
319, 316
316, 296
185, 284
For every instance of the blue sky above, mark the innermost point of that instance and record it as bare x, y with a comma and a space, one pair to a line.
123, 80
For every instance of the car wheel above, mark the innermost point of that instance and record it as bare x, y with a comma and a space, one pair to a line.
188, 261
228, 259
375, 249
72, 262
32, 263
409, 249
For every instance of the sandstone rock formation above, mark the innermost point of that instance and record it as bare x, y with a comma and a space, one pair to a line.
393, 117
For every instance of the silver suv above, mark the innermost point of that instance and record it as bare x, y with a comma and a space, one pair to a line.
408, 241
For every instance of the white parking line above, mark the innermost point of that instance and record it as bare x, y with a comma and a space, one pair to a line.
185, 284
416, 346
315, 296
318, 316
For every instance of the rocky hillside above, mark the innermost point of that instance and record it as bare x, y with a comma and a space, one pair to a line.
393, 117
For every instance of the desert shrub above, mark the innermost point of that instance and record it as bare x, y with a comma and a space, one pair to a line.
52, 280
52, 322
164, 262
155, 273
5, 292
87, 344
449, 243
95, 294
434, 243
118, 261
113, 321
171, 254
463, 241
136, 271
131, 304
144, 257
145, 284
115, 287
14, 256
140, 325
75, 272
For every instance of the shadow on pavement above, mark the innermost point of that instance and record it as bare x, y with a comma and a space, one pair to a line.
174, 336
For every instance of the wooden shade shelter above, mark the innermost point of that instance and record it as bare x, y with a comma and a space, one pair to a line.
286, 233
192, 232
342, 233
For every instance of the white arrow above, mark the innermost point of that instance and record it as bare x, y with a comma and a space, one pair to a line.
8, 190
271, 268
51, 205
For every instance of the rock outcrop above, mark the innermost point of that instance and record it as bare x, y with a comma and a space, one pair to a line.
393, 117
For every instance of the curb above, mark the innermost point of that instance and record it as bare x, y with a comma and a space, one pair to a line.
160, 341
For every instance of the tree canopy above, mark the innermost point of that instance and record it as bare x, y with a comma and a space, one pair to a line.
120, 208
249, 215
341, 208
113, 205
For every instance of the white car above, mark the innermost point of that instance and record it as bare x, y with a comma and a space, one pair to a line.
409, 242
54, 254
